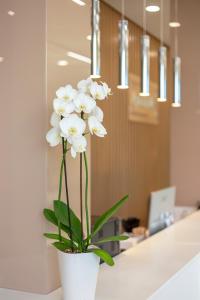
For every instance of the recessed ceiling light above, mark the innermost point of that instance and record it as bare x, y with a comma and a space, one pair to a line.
152, 8
11, 13
1, 58
79, 2
62, 63
88, 37
79, 57
174, 24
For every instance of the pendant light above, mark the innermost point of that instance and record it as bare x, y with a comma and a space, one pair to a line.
95, 40
162, 96
145, 58
174, 23
123, 51
177, 82
176, 65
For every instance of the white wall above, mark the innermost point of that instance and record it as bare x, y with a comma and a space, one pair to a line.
185, 121
23, 251
29, 169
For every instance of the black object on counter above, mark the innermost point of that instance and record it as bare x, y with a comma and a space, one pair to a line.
130, 223
111, 228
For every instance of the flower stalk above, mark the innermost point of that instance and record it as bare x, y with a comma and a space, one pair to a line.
81, 192
64, 146
81, 187
59, 194
86, 196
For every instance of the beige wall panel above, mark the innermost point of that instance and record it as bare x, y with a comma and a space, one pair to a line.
133, 158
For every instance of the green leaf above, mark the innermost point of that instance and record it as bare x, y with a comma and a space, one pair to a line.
65, 228
105, 256
54, 236
112, 239
61, 212
62, 246
50, 216
107, 215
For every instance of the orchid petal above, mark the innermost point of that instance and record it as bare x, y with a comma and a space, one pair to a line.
53, 137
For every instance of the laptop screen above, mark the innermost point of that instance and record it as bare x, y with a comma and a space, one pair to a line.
162, 204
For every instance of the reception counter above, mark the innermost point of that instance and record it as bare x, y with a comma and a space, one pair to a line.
163, 267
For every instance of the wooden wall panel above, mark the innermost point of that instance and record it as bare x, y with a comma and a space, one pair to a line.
134, 158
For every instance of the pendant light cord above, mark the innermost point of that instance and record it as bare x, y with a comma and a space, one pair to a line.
176, 42
176, 10
144, 18
176, 30
161, 23
122, 9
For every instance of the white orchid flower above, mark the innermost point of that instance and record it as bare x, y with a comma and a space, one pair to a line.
97, 91
84, 85
66, 93
53, 137
66, 121
63, 108
78, 145
97, 112
96, 127
55, 120
106, 89
72, 127
84, 103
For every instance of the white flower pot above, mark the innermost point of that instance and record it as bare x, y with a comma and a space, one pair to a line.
78, 275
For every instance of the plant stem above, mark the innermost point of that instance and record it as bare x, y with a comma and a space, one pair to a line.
81, 192
81, 189
59, 195
67, 192
60, 181
86, 195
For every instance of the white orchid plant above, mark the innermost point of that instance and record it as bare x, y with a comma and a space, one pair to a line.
76, 115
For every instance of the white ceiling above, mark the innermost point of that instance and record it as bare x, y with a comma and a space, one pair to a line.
134, 11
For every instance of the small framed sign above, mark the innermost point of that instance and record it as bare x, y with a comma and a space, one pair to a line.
142, 109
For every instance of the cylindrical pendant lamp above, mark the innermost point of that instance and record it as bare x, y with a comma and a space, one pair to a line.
123, 54
174, 22
145, 65
177, 82
162, 97
95, 40
176, 64
162, 93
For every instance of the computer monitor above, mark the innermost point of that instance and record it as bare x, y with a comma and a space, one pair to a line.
162, 204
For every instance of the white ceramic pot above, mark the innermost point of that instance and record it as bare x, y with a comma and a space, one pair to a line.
78, 275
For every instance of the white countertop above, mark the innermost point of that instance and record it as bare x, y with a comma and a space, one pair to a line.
139, 272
